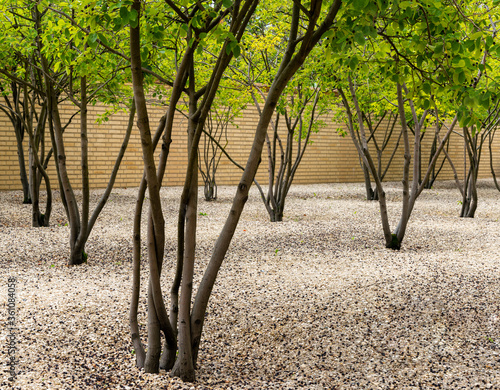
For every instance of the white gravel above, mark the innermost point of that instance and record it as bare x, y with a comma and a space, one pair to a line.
314, 302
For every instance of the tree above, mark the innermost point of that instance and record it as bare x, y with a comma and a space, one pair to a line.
299, 108
300, 120
228, 105
66, 68
377, 112
22, 67
209, 155
435, 72
190, 321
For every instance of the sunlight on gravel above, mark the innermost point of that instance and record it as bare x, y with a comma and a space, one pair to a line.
313, 302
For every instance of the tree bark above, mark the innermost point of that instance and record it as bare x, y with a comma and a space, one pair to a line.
290, 64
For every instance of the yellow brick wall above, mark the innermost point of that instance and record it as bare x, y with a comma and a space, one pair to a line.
330, 157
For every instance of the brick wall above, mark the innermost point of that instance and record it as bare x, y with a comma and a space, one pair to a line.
330, 157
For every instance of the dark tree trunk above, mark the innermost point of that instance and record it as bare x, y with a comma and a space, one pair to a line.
184, 365
22, 164
290, 64
16, 112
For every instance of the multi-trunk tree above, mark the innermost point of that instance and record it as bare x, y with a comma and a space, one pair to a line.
60, 45
183, 327
429, 64
13, 107
300, 113
297, 115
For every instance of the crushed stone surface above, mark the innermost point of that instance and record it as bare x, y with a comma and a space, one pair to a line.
313, 302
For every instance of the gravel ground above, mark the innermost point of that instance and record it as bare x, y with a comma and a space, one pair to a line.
313, 302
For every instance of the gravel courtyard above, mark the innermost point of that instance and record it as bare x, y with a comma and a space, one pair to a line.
313, 302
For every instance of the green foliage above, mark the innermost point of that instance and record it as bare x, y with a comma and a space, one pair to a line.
441, 52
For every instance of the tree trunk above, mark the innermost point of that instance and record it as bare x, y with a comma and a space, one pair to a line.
157, 315
22, 164
184, 365
290, 64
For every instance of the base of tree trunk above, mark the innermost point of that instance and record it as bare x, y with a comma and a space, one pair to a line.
78, 258
372, 195
276, 217
394, 244
183, 371
167, 359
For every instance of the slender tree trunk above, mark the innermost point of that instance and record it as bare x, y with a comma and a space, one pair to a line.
184, 365
38, 219
290, 64
157, 315
78, 255
140, 353
490, 147
22, 164
17, 123
407, 203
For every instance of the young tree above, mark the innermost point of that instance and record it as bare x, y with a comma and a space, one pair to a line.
431, 72
491, 138
22, 67
64, 69
228, 105
377, 112
474, 140
300, 121
189, 323
300, 107
209, 154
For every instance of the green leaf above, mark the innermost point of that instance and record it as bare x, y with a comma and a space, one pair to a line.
144, 53
360, 4
118, 24
183, 30
134, 23
132, 14
485, 103
468, 101
438, 49
227, 3
92, 38
359, 38
124, 14
328, 34
103, 39
236, 51
461, 77
476, 35
92, 45
353, 62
